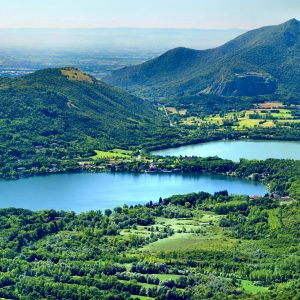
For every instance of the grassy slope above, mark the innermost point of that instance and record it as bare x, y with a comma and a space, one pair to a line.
116, 153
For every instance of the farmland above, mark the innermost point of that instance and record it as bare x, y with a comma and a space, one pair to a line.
112, 154
269, 114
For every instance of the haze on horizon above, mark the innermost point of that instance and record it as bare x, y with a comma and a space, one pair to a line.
155, 25
213, 14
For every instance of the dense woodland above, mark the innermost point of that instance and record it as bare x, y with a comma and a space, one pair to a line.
240, 249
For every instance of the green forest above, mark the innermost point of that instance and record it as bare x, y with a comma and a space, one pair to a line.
195, 246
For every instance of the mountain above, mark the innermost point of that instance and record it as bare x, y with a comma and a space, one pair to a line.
70, 110
261, 61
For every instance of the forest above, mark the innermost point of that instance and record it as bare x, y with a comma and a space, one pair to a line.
195, 246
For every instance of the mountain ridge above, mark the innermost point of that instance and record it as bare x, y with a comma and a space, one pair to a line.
272, 52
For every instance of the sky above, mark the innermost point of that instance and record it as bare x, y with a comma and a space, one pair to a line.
206, 14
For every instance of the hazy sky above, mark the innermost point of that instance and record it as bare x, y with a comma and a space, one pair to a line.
146, 13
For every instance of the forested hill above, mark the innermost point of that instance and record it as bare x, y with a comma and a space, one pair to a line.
261, 61
69, 108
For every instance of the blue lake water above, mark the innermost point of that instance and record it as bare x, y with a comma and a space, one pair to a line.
234, 150
87, 191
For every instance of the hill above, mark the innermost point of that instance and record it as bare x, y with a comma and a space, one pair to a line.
64, 113
261, 61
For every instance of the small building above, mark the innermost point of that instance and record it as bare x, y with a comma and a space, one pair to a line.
255, 197
286, 198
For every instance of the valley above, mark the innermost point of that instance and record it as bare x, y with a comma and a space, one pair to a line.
171, 178
16, 63
267, 114
71, 116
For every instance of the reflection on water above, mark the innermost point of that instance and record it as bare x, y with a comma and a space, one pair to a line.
86, 191
234, 150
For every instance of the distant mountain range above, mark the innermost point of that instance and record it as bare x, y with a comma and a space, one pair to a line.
259, 62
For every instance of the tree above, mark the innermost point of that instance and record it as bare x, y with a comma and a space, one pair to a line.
107, 212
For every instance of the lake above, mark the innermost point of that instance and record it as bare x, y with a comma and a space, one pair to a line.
87, 191
234, 150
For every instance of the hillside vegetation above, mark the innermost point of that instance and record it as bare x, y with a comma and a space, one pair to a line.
261, 61
54, 104
64, 113
196, 246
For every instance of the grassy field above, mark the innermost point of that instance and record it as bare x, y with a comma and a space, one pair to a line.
173, 110
263, 115
166, 277
250, 288
142, 297
188, 241
192, 121
201, 232
211, 238
273, 219
77, 75
115, 153
141, 230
